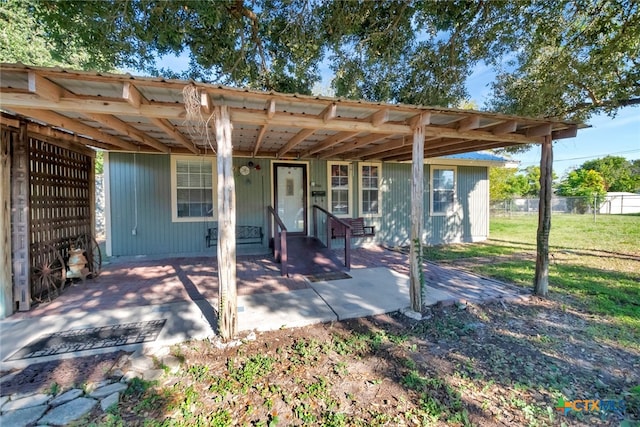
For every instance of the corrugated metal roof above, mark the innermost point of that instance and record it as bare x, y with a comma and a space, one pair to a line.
126, 113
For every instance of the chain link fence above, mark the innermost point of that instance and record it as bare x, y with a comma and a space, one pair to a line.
610, 204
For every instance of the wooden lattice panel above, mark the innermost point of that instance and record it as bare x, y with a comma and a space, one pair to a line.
60, 201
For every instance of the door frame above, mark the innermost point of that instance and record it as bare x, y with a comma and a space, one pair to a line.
305, 177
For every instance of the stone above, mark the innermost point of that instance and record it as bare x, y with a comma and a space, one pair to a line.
152, 374
22, 417
117, 374
67, 396
251, 336
107, 390
3, 400
109, 401
171, 362
130, 375
411, 314
26, 402
94, 386
161, 352
142, 363
70, 411
9, 376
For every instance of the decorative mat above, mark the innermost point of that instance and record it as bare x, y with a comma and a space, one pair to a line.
91, 339
325, 277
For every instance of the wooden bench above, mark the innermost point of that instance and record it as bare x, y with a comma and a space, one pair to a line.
358, 229
245, 234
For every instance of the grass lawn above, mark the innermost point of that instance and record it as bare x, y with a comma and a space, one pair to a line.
495, 364
596, 264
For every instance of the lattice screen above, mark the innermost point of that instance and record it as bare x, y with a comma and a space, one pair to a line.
60, 201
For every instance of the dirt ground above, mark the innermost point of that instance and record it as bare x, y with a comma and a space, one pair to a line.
492, 365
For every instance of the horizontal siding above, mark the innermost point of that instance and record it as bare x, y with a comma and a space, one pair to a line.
140, 199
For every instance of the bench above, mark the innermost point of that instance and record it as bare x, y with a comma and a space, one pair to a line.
358, 229
245, 234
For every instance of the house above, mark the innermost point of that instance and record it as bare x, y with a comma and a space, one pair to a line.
284, 164
165, 204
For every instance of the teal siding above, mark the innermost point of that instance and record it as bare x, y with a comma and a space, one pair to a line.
473, 197
146, 177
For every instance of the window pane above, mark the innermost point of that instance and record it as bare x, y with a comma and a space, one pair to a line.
194, 181
370, 201
339, 189
443, 190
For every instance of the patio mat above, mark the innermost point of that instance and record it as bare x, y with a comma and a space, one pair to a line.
325, 277
91, 339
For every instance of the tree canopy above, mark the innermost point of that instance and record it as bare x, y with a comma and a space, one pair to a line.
569, 59
618, 173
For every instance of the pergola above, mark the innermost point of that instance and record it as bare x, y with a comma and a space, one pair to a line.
118, 112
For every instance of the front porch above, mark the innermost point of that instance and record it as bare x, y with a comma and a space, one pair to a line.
183, 294
129, 282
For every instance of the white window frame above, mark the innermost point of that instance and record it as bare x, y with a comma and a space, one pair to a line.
174, 195
349, 213
361, 189
452, 208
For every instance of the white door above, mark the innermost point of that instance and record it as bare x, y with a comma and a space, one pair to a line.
290, 193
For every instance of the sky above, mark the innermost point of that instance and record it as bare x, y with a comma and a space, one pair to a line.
619, 136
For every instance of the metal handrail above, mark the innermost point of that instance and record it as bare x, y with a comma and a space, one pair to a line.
279, 244
347, 232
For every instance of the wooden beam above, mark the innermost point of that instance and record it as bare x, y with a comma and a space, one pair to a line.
569, 132
20, 224
271, 108
541, 279
328, 143
126, 129
54, 92
349, 146
132, 95
297, 139
540, 130
45, 88
481, 135
367, 153
226, 249
446, 151
206, 103
175, 111
136, 99
168, 128
6, 269
58, 120
9, 121
379, 117
422, 119
329, 113
261, 133
469, 123
416, 276
509, 126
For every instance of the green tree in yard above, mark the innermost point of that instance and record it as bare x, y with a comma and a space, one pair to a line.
586, 184
506, 183
617, 172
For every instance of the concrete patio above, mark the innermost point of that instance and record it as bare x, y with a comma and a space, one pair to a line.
184, 292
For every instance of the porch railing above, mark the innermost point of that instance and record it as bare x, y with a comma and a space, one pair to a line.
279, 235
347, 232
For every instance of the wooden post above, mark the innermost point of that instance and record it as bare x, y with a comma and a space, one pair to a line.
6, 286
21, 219
228, 303
541, 281
417, 218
